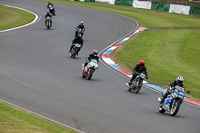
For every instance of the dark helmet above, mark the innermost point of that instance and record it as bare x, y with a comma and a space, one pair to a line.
179, 80
48, 13
142, 63
95, 52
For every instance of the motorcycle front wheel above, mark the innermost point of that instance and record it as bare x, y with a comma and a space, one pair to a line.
137, 88
73, 53
90, 73
175, 107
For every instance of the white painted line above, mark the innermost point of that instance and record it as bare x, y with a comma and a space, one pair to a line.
125, 39
136, 31
130, 76
112, 48
34, 21
108, 60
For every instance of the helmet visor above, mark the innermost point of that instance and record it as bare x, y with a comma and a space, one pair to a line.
141, 65
180, 82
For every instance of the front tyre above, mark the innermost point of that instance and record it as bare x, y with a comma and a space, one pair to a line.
73, 52
138, 89
90, 73
175, 107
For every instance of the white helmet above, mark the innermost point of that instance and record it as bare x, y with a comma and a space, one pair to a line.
179, 80
82, 22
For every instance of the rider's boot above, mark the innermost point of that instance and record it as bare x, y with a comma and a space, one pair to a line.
163, 98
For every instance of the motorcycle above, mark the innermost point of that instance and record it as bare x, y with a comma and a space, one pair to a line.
51, 10
89, 69
173, 101
136, 85
75, 50
48, 22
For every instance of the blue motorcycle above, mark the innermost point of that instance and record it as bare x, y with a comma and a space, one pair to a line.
173, 101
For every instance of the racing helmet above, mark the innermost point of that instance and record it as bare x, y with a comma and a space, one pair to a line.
82, 22
95, 52
179, 80
141, 63
79, 30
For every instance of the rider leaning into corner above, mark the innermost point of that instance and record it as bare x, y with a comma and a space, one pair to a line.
139, 68
91, 56
48, 15
80, 26
78, 40
179, 81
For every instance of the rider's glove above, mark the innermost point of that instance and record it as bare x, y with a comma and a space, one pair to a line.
170, 88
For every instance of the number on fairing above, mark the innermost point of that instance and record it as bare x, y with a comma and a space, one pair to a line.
77, 45
142, 75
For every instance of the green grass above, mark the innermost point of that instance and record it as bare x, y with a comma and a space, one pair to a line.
147, 18
12, 17
15, 121
168, 54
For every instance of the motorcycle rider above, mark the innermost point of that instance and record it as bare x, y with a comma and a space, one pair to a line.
179, 81
78, 40
80, 26
49, 3
48, 15
48, 6
139, 68
91, 56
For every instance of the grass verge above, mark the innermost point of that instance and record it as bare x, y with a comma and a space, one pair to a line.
12, 17
16, 121
168, 53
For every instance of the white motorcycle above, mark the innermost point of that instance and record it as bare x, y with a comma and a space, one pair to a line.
173, 101
89, 69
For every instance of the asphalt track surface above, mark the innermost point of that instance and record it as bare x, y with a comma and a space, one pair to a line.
36, 73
